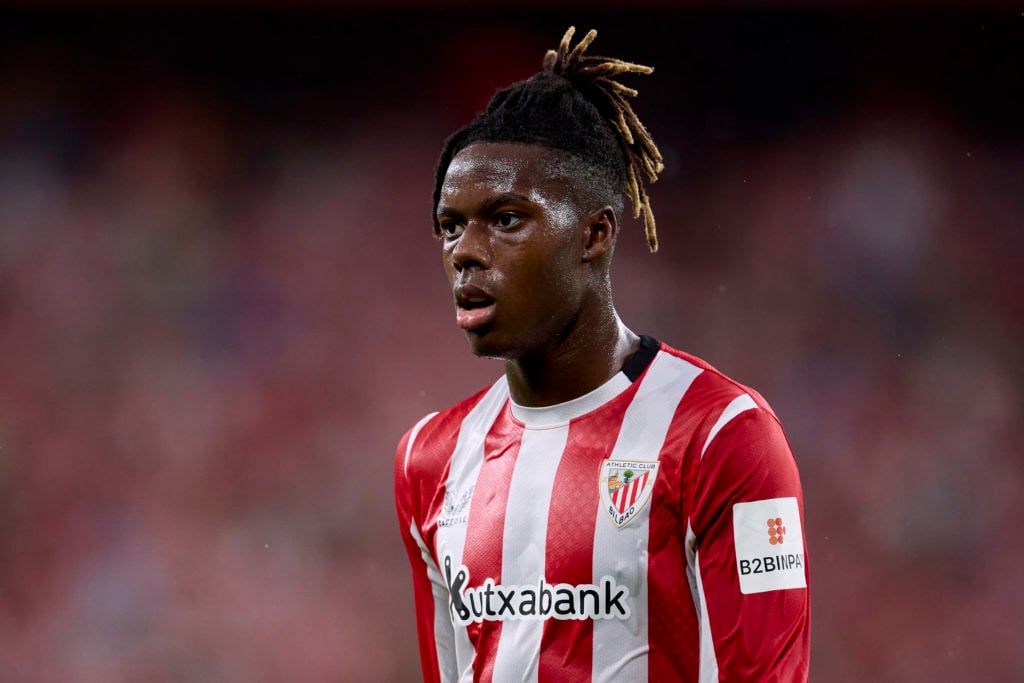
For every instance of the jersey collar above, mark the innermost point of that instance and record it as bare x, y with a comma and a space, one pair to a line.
560, 414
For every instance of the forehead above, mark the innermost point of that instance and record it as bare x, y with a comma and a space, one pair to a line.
532, 171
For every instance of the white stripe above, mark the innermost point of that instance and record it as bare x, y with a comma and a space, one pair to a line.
620, 647
737, 406
690, 547
465, 466
444, 636
524, 545
708, 666
708, 659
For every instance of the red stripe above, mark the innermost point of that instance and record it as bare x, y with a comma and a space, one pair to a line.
428, 466
422, 591
566, 652
672, 621
750, 442
481, 554
432, 459
638, 488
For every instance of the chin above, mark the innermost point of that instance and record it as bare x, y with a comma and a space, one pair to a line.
485, 344
483, 349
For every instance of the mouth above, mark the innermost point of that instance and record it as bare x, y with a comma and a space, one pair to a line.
473, 309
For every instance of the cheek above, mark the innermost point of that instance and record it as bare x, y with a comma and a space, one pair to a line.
555, 280
446, 263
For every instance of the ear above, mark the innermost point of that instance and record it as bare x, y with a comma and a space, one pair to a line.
599, 236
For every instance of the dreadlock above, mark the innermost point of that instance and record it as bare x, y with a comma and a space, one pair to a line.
574, 105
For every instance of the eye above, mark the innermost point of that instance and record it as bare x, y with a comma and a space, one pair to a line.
506, 219
451, 229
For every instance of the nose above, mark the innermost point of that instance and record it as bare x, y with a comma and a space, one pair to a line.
472, 249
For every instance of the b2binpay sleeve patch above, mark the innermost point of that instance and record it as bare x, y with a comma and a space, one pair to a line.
769, 545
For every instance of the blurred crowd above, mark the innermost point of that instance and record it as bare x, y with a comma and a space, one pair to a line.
221, 306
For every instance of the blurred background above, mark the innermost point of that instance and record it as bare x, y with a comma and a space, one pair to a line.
221, 306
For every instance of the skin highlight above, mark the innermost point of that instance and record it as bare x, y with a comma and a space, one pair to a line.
530, 271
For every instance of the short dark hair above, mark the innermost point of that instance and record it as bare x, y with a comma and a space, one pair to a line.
575, 107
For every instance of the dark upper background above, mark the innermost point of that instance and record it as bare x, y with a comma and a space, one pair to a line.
221, 306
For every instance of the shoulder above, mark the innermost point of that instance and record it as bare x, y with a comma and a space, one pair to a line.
721, 409
715, 389
429, 443
739, 451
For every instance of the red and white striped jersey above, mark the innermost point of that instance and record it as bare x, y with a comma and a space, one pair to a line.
651, 530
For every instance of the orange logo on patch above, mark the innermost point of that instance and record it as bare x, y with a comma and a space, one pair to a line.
776, 532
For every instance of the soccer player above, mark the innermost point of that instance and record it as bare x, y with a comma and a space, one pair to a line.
610, 509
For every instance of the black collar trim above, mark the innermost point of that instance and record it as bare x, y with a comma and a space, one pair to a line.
641, 358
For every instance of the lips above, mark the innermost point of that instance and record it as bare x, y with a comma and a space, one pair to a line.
474, 307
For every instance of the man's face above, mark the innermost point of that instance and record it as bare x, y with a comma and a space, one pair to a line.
512, 248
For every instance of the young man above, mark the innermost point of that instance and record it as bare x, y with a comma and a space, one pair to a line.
611, 509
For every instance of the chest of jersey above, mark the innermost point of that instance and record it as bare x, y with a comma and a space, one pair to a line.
552, 538
555, 523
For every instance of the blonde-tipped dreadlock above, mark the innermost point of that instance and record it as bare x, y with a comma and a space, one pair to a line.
596, 74
574, 105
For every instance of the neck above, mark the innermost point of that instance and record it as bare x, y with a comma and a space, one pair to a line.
573, 366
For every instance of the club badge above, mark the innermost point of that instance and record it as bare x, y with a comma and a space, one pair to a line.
626, 486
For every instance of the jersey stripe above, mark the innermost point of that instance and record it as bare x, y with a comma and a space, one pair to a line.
523, 554
708, 658
465, 465
620, 646
567, 645
708, 669
673, 613
486, 523
413, 433
444, 647
735, 407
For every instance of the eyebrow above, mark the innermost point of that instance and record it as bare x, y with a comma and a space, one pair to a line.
486, 207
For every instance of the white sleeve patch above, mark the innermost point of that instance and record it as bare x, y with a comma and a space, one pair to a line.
769, 545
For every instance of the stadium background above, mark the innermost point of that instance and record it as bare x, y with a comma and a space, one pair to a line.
221, 306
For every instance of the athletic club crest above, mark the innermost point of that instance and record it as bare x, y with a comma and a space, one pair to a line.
626, 487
